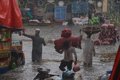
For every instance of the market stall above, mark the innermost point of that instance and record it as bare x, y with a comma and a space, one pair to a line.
5, 44
10, 21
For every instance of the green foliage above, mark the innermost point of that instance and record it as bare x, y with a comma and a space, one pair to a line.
94, 20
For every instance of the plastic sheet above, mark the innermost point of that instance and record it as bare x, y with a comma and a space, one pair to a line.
10, 15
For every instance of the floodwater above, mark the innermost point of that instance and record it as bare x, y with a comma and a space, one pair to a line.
51, 59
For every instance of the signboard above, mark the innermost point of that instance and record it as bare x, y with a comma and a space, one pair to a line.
60, 13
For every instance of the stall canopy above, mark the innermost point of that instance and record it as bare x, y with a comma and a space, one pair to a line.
10, 15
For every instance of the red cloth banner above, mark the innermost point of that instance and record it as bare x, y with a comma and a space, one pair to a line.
116, 68
10, 15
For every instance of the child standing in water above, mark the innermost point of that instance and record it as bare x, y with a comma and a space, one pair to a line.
68, 56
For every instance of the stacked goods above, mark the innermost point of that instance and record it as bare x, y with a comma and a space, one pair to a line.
5, 43
10, 20
91, 30
67, 35
107, 35
5, 39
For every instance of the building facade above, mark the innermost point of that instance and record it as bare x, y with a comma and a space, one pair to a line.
64, 9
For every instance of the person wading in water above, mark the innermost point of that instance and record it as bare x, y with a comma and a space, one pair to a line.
69, 51
88, 51
37, 43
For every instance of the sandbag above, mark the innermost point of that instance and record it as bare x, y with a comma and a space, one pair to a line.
75, 41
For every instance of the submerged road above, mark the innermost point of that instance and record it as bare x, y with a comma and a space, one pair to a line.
51, 59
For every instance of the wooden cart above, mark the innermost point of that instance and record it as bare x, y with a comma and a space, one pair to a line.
11, 56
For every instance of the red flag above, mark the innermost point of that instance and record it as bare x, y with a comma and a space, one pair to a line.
116, 68
10, 15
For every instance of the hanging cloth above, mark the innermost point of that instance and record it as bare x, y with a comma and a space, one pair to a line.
116, 68
10, 15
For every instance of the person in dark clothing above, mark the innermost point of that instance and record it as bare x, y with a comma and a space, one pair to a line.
37, 43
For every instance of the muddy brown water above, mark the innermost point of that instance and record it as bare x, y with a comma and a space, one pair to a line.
51, 59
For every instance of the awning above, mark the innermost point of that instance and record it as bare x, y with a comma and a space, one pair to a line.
10, 15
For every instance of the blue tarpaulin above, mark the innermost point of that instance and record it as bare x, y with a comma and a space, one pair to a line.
60, 13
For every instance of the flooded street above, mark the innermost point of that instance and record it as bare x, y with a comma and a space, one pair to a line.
51, 59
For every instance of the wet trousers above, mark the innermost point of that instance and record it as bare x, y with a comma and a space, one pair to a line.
63, 64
